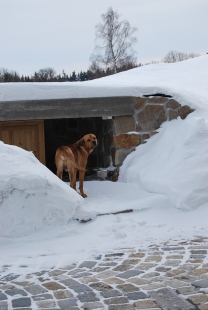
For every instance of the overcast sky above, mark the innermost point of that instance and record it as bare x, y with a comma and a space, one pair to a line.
35, 34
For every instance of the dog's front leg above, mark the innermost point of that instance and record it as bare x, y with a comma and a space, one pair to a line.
81, 183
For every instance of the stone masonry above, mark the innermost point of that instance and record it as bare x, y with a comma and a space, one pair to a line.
148, 115
119, 134
161, 277
120, 123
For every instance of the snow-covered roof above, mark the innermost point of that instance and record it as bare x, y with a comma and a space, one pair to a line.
185, 80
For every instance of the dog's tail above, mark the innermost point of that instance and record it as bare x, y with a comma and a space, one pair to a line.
66, 154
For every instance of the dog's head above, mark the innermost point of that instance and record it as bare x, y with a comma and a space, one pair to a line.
89, 141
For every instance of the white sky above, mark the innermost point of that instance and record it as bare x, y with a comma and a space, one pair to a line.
60, 33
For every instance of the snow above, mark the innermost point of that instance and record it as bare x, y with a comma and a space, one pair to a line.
174, 163
164, 181
185, 80
31, 196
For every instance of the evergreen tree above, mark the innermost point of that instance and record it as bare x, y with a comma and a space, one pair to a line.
73, 77
81, 76
85, 76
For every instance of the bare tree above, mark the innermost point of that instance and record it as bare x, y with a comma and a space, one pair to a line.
152, 62
8, 76
115, 40
174, 56
95, 71
44, 75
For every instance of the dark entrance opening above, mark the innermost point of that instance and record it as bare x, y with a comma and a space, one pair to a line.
68, 130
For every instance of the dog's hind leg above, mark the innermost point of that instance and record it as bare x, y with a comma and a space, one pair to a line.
72, 177
59, 171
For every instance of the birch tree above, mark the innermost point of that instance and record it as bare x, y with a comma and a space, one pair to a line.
115, 40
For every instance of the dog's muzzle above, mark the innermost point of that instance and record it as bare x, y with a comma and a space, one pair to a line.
94, 143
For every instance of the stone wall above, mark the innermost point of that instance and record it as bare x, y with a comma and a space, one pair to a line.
149, 113
118, 136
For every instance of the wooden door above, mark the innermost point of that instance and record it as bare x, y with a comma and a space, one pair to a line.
28, 135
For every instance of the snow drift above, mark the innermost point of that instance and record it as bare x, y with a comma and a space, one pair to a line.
31, 197
173, 163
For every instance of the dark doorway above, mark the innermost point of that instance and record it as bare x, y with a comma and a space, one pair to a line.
67, 131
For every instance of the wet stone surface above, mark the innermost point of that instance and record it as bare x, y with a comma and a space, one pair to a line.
200, 283
166, 278
66, 303
168, 299
87, 297
16, 291
21, 302
35, 289
129, 274
88, 264
42, 297
137, 295
3, 296
111, 293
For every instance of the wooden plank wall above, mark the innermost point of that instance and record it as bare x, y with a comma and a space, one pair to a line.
28, 135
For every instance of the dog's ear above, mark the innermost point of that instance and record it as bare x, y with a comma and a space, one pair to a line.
80, 143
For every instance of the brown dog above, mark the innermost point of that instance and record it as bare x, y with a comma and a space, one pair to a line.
74, 157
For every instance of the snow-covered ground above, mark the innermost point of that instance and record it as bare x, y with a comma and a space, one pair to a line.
165, 181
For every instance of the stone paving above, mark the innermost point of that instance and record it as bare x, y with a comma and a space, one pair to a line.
160, 277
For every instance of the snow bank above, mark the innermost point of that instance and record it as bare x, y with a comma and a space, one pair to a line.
173, 163
31, 197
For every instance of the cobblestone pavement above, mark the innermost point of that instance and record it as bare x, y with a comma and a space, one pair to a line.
166, 277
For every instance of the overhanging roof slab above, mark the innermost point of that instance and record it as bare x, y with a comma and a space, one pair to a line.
66, 108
